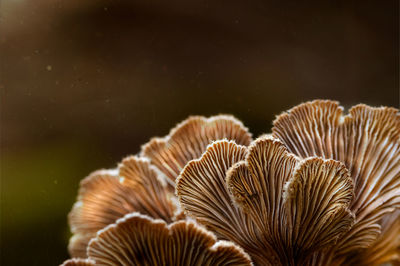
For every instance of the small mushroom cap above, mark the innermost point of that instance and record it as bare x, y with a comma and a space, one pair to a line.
189, 139
140, 240
317, 200
106, 196
203, 194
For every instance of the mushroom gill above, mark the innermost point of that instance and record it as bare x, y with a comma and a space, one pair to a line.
140, 240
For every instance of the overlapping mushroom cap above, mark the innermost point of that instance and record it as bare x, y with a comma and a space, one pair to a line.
139, 186
322, 189
317, 194
284, 209
140, 240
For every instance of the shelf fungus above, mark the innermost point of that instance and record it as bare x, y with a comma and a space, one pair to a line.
322, 189
139, 186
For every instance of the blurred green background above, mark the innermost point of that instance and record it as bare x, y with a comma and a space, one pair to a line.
85, 83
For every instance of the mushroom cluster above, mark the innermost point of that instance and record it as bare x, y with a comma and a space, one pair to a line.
322, 189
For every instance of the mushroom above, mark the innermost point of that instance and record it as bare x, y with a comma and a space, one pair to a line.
322, 189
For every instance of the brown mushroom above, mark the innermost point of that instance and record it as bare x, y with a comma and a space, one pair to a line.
322, 189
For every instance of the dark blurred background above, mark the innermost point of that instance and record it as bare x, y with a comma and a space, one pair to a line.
85, 83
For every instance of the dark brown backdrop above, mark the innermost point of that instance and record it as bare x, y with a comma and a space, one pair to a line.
85, 83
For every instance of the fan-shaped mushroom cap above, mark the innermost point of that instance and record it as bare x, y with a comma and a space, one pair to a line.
202, 192
367, 141
140, 240
273, 225
106, 196
189, 139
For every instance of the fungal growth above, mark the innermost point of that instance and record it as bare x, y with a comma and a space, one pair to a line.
322, 189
